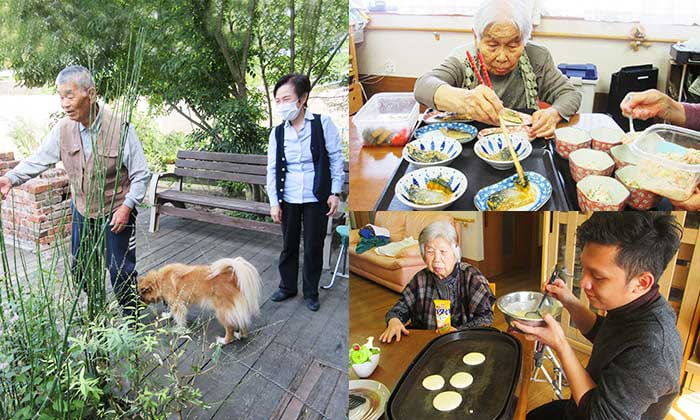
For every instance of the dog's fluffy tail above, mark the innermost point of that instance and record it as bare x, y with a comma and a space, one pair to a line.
247, 303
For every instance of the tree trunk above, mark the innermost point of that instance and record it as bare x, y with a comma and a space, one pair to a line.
261, 55
292, 16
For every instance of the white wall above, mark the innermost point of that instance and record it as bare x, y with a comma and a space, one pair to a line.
473, 236
412, 53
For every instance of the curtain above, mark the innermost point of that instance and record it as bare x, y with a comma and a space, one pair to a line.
678, 12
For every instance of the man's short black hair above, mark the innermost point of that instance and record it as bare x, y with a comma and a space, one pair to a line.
646, 241
301, 84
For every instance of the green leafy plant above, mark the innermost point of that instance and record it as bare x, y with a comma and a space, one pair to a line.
65, 350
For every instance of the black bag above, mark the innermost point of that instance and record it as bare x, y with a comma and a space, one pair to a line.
630, 79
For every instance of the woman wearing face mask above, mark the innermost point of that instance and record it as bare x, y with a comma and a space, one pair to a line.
521, 73
444, 278
304, 182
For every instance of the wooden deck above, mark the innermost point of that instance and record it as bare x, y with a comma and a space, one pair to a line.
292, 365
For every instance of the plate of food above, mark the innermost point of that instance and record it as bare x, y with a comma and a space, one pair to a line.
367, 399
513, 131
494, 150
432, 116
432, 188
513, 117
461, 132
508, 195
426, 151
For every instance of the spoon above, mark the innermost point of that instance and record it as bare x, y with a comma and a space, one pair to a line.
551, 280
629, 98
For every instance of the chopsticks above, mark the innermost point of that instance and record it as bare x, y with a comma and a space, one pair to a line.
518, 167
476, 70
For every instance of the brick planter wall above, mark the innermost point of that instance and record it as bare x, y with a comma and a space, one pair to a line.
41, 209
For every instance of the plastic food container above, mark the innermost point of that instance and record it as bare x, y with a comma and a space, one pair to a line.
569, 139
605, 138
586, 162
639, 199
601, 193
670, 157
387, 119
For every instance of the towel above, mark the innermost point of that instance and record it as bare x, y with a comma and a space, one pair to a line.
366, 244
393, 249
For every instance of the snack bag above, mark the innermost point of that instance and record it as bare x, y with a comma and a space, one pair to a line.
442, 315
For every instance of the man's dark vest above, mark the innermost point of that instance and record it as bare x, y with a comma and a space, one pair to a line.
322, 165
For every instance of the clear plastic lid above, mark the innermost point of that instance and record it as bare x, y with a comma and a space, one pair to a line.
389, 107
674, 147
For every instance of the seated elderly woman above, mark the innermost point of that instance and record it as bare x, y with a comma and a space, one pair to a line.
444, 278
520, 71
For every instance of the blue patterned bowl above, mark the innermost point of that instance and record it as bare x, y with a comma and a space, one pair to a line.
496, 142
433, 130
446, 145
420, 177
543, 191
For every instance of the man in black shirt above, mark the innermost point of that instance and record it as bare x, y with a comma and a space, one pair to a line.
634, 369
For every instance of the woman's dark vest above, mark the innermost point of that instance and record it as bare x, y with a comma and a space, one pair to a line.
319, 154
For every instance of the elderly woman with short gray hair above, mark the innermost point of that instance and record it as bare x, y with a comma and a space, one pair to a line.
522, 73
444, 278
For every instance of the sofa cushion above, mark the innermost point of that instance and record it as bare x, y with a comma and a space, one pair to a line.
395, 221
409, 251
391, 263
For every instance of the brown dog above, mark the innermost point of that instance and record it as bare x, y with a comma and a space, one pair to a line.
230, 286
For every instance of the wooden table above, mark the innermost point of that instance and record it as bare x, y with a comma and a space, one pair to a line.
371, 167
395, 357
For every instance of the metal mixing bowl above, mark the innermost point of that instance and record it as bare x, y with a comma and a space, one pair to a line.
514, 305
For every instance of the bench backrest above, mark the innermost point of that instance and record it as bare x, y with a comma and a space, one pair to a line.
251, 169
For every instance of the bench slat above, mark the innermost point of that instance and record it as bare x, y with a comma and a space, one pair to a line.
223, 157
222, 166
220, 219
222, 176
215, 201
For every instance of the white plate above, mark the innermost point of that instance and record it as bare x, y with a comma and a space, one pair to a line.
496, 142
542, 187
434, 130
447, 145
420, 177
375, 392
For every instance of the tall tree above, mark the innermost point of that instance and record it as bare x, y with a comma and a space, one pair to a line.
197, 53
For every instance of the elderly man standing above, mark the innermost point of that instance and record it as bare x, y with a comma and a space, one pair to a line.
108, 178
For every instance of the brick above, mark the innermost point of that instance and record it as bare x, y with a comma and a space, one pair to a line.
8, 164
38, 188
7, 156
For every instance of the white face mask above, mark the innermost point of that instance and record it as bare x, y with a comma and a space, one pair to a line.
288, 111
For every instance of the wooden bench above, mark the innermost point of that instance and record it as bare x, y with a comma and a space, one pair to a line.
251, 169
